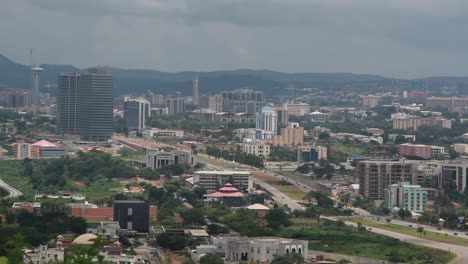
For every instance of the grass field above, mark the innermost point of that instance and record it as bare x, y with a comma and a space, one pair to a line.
135, 155
411, 231
289, 190
341, 239
101, 189
10, 172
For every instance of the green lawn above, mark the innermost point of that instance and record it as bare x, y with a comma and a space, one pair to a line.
350, 148
411, 231
342, 239
289, 190
10, 171
135, 155
101, 189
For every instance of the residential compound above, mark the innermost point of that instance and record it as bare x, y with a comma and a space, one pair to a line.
376, 175
413, 123
212, 180
447, 102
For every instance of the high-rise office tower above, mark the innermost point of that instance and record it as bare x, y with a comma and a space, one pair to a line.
135, 113
243, 101
175, 105
213, 102
96, 105
35, 72
68, 103
267, 119
195, 90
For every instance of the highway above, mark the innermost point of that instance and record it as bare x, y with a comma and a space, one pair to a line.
12, 192
460, 251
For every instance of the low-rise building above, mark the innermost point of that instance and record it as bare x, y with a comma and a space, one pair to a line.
306, 154
461, 148
228, 195
156, 132
413, 123
317, 116
419, 150
404, 195
299, 109
263, 249
316, 131
260, 209
256, 147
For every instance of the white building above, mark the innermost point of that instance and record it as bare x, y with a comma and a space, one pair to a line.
371, 101
267, 119
256, 147
158, 159
252, 133
156, 132
263, 249
300, 109
461, 148
436, 151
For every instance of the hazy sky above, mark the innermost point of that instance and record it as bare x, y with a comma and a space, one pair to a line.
401, 38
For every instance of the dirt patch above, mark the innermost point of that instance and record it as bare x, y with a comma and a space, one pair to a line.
175, 259
79, 185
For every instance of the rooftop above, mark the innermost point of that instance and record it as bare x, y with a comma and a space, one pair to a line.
226, 172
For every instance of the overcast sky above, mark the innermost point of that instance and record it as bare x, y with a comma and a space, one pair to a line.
401, 38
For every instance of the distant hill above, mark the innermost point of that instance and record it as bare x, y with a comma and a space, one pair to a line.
137, 81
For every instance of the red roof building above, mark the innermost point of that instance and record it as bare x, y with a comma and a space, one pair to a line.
227, 194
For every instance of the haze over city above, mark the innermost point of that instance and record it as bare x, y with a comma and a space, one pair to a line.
233, 131
400, 38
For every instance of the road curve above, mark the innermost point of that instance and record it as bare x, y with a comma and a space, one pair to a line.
12, 192
460, 251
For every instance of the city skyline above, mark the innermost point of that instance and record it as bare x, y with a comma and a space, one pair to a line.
405, 39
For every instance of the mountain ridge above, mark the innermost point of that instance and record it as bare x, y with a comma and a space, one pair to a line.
136, 81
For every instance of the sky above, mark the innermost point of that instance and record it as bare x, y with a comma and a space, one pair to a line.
397, 38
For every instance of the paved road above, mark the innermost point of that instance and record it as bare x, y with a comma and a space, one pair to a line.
460, 251
432, 228
279, 196
12, 192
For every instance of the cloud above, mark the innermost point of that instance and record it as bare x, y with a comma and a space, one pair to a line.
391, 37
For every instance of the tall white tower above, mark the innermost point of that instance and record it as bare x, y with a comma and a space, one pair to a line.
267, 120
195, 90
35, 72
